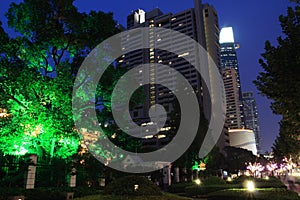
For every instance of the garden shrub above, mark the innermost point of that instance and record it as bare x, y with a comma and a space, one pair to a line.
179, 187
241, 179
197, 190
261, 194
44, 194
125, 186
273, 182
83, 191
213, 180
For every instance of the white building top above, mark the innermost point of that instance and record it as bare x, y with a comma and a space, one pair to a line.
226, 35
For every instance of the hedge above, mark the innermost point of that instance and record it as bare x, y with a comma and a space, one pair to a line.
126, 186
259, 194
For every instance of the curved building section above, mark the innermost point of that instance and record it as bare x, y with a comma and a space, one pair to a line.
243, 138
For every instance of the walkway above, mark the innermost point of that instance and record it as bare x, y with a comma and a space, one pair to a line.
294, 187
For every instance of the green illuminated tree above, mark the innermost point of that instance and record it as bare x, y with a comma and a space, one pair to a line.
280, 81
37, 71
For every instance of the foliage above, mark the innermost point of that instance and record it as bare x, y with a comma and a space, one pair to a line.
213, 180
126, 186
165, 196
88, 170
47, 193
273, 182
203, 190
179, 187
215, 161
37, 74
280, 82
238, 184
190, 156
237, 157
285, 143
260, 194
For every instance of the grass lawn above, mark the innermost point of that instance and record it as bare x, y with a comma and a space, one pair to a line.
165, 196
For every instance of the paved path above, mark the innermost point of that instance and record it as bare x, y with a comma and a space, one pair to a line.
294, 187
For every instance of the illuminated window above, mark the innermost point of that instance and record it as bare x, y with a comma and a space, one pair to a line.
183, 54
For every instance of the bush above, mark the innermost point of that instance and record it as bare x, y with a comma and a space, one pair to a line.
38, 194
34, 194
214, 180
242, 179
179, 187
260, 194
125, 186
165, 196
203, 190
83, 191
46, 193
273, 182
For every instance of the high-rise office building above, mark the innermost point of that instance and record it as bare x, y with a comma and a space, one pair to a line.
190, 22
212, 31
231, 77
233, 114
251, 117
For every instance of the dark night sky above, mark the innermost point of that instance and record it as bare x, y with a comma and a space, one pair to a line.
253, 23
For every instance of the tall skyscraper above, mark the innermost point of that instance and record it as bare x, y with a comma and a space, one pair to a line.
231, 77
212, 31
190, 22
251, 117
233, 114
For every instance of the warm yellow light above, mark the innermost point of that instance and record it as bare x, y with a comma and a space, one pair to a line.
136, 187
229, 179
3, 113
250, 186
197, 181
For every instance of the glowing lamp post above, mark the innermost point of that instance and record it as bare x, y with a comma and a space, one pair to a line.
197, 181
250, 186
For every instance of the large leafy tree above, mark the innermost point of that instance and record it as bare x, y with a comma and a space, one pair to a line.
237, 158
37, 71
280, 81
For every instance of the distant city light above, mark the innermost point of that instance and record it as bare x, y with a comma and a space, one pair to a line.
226, 35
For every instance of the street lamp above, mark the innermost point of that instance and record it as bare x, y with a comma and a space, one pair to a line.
250, 186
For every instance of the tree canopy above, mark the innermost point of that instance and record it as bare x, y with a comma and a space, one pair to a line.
37, 72
280, 81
